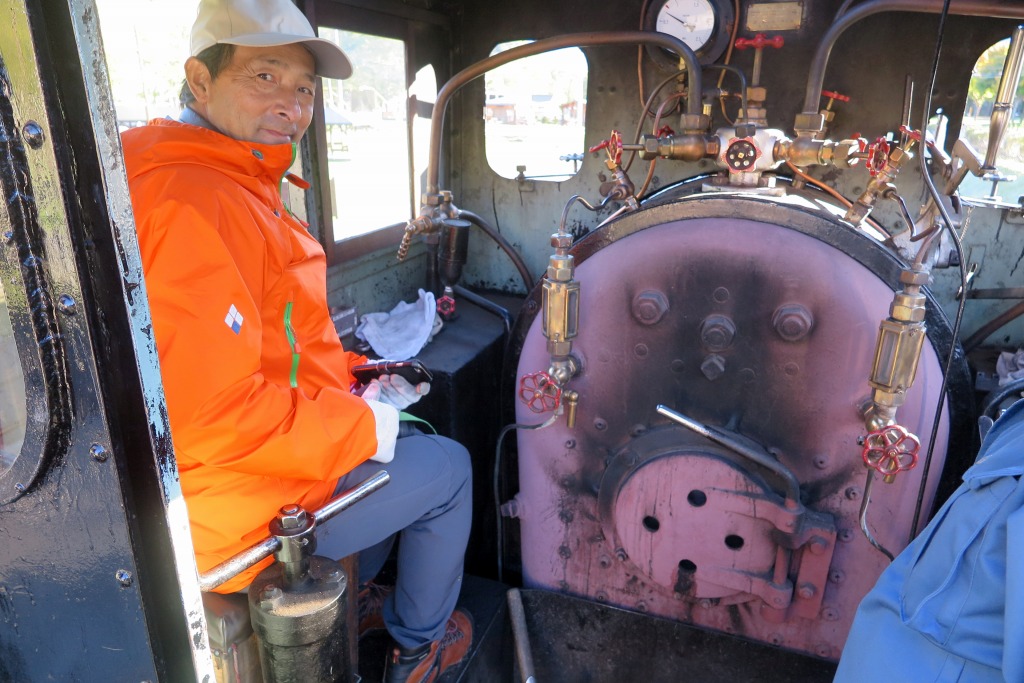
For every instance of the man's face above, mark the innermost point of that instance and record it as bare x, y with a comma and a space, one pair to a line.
264, 95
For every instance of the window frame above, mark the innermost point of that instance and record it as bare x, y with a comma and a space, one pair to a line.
418, 29
1016, 117
523, 62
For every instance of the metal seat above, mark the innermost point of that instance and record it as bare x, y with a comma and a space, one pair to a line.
298, 621
236, 657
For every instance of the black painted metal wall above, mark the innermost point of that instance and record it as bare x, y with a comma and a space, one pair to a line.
89, 580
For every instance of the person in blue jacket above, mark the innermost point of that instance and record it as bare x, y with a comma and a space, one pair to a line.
949, 607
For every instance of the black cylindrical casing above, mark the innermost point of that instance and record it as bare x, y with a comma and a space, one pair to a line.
301, 628
454, 248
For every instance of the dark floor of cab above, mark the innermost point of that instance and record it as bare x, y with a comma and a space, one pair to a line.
576, 641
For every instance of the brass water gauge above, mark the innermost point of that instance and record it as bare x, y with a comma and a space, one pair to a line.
704, 25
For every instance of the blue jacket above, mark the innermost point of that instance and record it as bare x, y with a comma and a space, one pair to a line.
951, 606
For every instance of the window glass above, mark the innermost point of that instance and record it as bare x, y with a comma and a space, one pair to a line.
535, 109
12, 392
367, 134
369, 167
146, 43
981, 96
423, 92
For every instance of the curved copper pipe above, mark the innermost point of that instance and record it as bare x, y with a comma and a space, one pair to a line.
983, 332
693, 99
971, 8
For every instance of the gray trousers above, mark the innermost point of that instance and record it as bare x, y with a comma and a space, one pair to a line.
428, 502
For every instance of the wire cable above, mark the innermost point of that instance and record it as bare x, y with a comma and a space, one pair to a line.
728, 59
577, 198
863, 517
830, 191
497, 494
657, 122
844, 8
904, 212
948, 223
646, 112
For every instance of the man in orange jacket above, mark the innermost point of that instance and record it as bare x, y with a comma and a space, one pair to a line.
259, 389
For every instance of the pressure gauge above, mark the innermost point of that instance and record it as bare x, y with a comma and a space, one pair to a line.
704, 25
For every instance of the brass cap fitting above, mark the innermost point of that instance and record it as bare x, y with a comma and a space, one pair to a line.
809, 123
908, 308
560, 268
694, 123
915, 277
560, 241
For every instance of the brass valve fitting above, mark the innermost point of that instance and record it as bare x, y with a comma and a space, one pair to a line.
686, 147
805, 151
435, 208
809, 124
694, 124
878, 186
572, 401
622, 190
561, 314
561, 299
898, 350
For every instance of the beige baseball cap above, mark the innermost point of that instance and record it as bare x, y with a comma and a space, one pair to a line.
265, 23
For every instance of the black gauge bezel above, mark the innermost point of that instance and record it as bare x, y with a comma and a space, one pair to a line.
711, 50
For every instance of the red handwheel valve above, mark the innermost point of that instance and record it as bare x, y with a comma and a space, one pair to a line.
878, 155
612, 147
446, 307
540, 392
834, 96
890, 450
759, 42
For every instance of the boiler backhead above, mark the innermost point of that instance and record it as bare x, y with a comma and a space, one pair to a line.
758, 317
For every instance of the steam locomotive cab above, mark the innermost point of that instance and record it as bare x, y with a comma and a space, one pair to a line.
713, 379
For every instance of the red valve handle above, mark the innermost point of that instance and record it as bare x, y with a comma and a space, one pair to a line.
878, 154
759, 42
890, 450
911, 133
540, 392
613, 145
446, 306
664, 130
832, 95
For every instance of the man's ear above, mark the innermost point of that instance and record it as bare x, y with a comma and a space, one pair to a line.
198, 78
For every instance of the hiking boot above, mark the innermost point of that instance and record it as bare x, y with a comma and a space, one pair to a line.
427, 663
371, 607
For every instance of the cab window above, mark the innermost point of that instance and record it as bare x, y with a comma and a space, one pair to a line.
1010, 159
368, 142
374, 136
146, 44
534, 112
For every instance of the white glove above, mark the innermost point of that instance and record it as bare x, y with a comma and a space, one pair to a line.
386, 423
395, 390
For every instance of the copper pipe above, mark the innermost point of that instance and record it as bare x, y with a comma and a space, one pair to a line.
504, 244
992, 325
694, 90
972, 8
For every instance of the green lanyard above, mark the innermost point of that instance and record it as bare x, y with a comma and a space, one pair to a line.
406, 417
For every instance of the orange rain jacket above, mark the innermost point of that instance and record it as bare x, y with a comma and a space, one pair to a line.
256, 380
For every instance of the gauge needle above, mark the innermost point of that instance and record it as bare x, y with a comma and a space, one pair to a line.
689, 26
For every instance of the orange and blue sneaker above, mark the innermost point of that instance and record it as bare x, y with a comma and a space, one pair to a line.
427, 663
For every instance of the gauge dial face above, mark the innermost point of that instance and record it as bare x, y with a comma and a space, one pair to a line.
692, 21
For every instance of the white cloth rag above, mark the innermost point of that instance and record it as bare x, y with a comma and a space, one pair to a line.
1010, 366
400, 334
